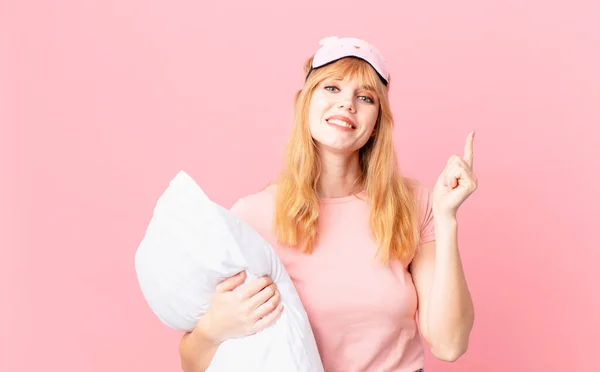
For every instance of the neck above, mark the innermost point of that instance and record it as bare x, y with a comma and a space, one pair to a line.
339, 175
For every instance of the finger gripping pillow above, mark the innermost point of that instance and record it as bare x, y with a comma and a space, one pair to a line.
190, 245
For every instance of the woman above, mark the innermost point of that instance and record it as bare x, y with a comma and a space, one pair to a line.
366, 248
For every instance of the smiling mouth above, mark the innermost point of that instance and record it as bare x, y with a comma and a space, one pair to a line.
340, 123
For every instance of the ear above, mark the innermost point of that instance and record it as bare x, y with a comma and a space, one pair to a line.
328, 40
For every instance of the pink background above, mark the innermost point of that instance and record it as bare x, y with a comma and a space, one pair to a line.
101, 103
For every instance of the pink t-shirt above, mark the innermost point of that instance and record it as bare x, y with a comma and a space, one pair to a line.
363, 314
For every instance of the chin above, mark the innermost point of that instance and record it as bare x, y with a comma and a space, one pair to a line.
336, 148
341, 144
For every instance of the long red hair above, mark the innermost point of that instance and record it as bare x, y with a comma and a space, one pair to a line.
393, 219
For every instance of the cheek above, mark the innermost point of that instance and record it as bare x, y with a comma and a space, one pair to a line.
316, 111
370, 119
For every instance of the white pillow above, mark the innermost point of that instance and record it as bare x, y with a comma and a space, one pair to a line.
190, 245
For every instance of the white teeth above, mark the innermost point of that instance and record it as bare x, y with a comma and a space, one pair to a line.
340, 123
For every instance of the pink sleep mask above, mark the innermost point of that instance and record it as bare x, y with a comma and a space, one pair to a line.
333, 49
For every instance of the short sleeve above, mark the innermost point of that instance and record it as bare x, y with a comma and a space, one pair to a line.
425, 210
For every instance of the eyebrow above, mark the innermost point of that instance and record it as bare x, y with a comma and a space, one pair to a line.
367, 88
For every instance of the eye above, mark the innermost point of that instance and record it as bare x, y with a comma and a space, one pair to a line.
366, 99
331, 88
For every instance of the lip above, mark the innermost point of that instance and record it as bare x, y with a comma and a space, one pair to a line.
342, 118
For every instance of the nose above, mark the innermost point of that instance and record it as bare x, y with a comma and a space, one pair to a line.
347, 104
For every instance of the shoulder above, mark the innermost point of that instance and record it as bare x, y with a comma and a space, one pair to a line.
421, 193
423, 198
256, 208
253, 200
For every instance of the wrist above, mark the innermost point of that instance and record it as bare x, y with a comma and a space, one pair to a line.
205, 331
444, 218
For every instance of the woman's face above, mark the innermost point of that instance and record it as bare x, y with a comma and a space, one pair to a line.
342, 115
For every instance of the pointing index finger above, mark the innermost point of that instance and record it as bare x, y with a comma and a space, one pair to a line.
468, 156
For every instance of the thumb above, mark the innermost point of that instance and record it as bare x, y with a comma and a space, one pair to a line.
231, 283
